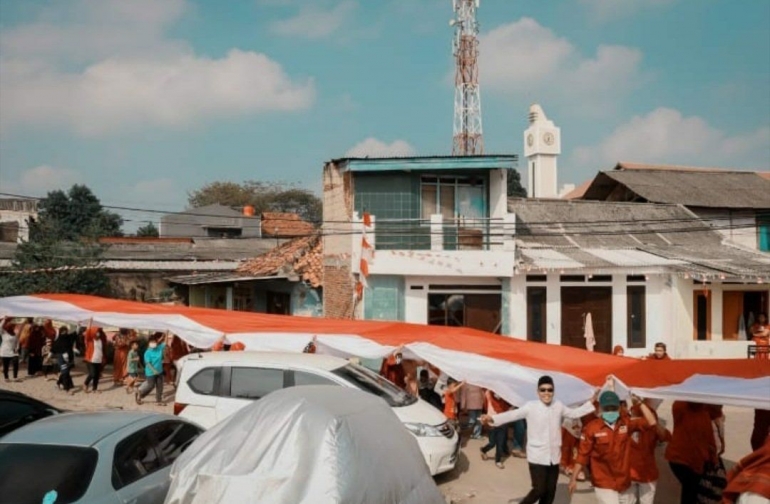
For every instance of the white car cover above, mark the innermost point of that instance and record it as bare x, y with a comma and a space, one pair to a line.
313, 445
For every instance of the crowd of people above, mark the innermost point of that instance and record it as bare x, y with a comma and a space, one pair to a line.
608, 441
138, 363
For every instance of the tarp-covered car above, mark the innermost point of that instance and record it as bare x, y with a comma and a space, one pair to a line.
312, 445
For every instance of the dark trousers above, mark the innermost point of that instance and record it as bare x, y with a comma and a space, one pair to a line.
34, 364
544, 479
497, 440
8, 361
94, 373
150, 382
689, 480
65, 379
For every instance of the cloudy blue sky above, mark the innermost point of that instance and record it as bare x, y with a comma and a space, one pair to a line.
144, 100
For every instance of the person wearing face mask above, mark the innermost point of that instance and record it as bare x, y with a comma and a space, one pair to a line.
153, 369
544, 418
606, 443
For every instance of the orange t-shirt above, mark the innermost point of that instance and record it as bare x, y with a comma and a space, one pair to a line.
450, 405
692, 442
643, 444
609, 451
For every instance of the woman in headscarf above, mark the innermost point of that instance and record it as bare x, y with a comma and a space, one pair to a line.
120, 345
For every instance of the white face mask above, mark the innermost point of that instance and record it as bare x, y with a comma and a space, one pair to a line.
153, 345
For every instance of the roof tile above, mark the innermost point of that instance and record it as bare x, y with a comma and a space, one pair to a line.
301, 256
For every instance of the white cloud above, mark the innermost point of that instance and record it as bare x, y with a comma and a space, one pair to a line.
39, 180
314, 22
666, 136
372, 147
109, 66
525, 59
607, 10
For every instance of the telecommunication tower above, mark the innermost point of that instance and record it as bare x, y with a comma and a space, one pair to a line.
467, 121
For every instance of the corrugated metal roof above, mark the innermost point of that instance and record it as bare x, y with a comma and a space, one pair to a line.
705, 188
632, 258
209, 278
549, 258
172, 265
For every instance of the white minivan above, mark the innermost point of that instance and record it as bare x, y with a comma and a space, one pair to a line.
211, 386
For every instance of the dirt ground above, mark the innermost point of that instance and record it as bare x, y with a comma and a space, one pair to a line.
473, 481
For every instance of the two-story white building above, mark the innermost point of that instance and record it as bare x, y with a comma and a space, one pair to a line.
442, 235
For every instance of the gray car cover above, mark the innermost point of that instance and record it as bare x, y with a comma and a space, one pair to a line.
313, 445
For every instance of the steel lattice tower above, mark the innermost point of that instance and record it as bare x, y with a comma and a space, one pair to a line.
467, 121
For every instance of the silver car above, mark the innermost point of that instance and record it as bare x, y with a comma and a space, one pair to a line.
111, 457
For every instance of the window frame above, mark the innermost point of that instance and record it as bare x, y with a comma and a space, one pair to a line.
217, 387
227, 385
145, 432
531, 291
445, 182
641, 291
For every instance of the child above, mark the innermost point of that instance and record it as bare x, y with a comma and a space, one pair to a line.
49, 359
132, 366
450, 404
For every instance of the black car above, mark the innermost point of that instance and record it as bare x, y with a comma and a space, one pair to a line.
17, 410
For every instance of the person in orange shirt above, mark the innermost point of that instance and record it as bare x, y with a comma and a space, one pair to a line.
450, 401
644, 469
749, 481
760, 333
692, 447
606, 443
393, 370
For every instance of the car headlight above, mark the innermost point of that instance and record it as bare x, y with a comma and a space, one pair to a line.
423, 430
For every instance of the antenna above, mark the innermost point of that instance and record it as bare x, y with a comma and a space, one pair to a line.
465, 47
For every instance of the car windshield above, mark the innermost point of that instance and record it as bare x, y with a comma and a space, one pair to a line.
68, 471
373, 383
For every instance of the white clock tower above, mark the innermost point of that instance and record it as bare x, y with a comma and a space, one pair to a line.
542, 145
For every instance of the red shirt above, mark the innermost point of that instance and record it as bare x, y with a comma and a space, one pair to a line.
644, 469
608, 449
692, 442
751, 474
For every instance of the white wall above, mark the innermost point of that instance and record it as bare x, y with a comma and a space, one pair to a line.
416, 305
719, 348
658, 316
498, 193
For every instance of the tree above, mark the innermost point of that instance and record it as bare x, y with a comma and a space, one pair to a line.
514, 184
148, 231
63, 253
76, 214
263, 196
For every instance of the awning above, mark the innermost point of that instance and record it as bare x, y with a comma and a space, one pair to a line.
211, 278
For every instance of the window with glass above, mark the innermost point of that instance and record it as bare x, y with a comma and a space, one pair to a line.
173, 438
636, 314
135, 457
453, 197
536, 318
254, 383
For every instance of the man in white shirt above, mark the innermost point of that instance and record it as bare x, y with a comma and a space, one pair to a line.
544, 418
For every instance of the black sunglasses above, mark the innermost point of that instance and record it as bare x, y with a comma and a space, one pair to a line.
546, 389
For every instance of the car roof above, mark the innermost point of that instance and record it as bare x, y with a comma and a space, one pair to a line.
79, 429
314, 361
9, 395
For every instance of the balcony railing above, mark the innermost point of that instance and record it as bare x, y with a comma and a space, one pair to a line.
443, 234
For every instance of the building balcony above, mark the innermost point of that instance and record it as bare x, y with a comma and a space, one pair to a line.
456, 247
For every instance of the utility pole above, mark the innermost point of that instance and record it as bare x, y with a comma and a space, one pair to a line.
467, 131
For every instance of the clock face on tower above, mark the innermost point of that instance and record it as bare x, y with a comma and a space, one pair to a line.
548, 138
530, 139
